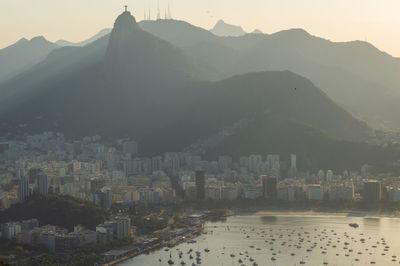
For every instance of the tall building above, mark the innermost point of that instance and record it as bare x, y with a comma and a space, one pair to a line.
254, 161
372, 191
293, 161
99, 198
200, 185
269, 186
120, 228
33, 175
43, 186
123, 228
321, 175
103, 197
329, 175
108, 198
156, 164
274, 161
111, 159
24, 191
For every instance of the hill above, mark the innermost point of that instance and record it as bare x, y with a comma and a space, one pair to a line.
22, 55
355, 74
65, 211
314, 149
160, 121
283, 94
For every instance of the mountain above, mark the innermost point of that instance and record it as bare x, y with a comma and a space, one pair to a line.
59, 65
315, 150
355, 74
333, 66
22, 55
224, 29
131, 83
133, 52
99, 87
99, 35
280, 94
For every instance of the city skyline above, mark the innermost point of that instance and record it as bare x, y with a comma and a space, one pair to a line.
369, 21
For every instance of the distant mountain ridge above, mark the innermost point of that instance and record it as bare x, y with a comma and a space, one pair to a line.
97, 36
354, 74
224, 29
22, 55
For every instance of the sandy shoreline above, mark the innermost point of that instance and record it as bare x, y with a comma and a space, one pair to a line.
362, 214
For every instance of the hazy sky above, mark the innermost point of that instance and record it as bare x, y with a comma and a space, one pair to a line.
377, 21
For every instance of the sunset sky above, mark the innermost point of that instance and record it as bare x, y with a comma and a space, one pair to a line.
375, 21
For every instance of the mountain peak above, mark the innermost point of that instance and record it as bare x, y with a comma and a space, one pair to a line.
39, 39
132, 52
125, 23
224, 29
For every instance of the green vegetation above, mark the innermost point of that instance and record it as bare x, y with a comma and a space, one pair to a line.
150, 223
64, 211
11, 251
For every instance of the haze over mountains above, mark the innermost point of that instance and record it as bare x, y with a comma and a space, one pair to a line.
355, 74
186, 84
23, 55
100, 34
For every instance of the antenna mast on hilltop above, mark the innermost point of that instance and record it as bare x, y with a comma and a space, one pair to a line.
158, 10
126, 8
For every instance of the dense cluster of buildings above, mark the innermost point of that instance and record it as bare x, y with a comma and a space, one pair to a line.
267, 184
113, 172
58, 240
108, 172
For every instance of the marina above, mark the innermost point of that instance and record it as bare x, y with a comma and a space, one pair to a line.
286, 240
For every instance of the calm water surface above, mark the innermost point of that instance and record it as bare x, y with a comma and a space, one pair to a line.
289, 240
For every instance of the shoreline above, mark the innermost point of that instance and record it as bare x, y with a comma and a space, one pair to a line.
195, 232
277, 212
327, 213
